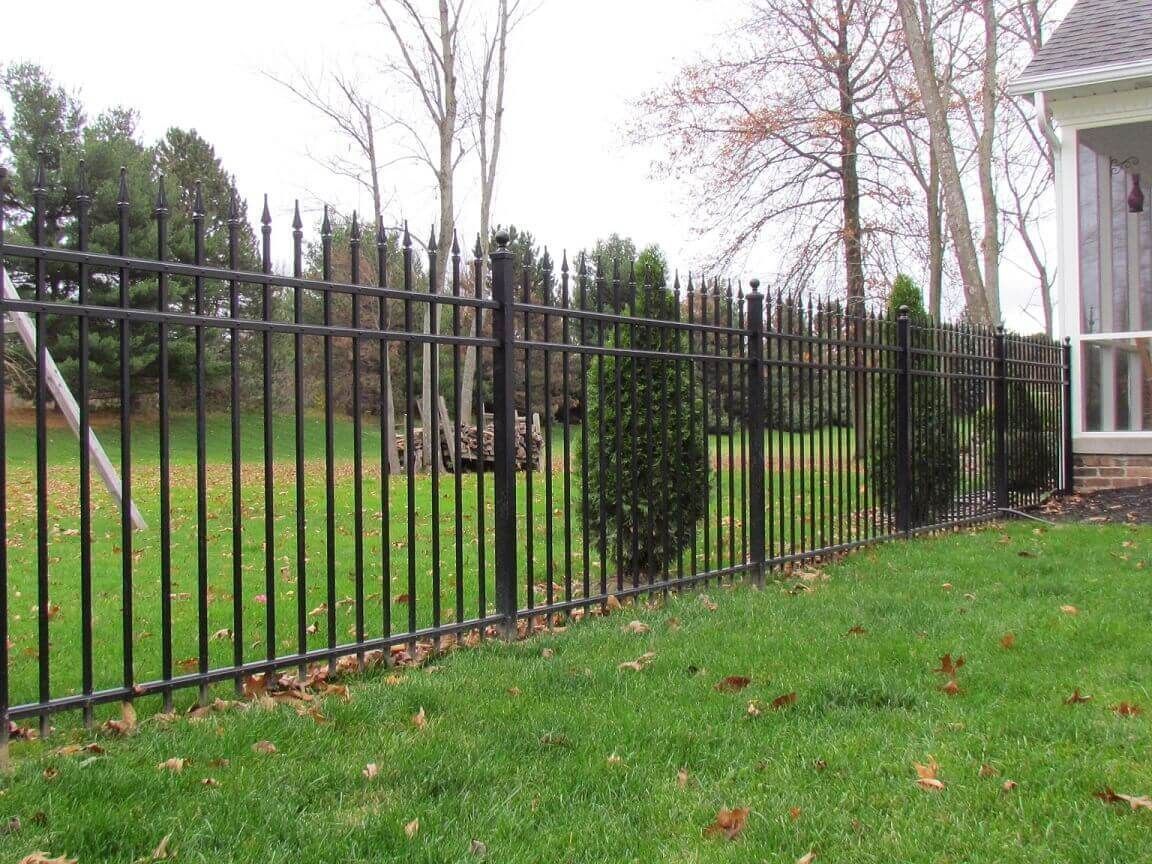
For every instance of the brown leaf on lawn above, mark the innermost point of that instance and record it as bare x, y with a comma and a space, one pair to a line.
950, 667
952, 688
947, 586
255, 685
733, 684
160, 853
987, 770
682, 778
412, 828
548, 653
210, 782
44, 858
1069, 609
126, 725
640, 663
420, 719
1077, 697
1127, 709
1008, 640
221, 635
794, 813
673, 624
401, 598
1008, 785
728, 823
338, 690
637, 627
175, 765
754, 708
513, 691
707, 603
51, 772
1136, 802
265, 747
856, 630
807, 858
785, 701
478, 848
371, 771
612, 604
926, 775
615, 759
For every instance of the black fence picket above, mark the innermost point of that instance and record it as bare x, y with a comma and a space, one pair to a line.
809, 417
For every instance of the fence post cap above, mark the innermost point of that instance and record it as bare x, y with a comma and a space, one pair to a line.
754, 284
902, 312
502, 240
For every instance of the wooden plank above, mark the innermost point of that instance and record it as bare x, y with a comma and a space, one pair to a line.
68, 407
447, 431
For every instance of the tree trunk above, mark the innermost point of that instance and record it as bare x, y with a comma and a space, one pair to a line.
990, 245
959, 225
935, 218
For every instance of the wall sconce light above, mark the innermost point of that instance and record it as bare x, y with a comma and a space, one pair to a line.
1136, 197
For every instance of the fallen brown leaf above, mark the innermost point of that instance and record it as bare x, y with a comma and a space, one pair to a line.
707, 603
478, 848
1136, 802
1008, 640
728, 823
682, 777
160, 853
640, 663
412, 828
987, 770
950, 667
785, 701
1077, 697
43, 858
612, 604
1069, 609
733, 684
1127, 709
371, 771
175, 765
754, 708
210, 782
1008, 785
420, 719
856, 630
637, 627
615, 759
926, 775
265, 747
807, 858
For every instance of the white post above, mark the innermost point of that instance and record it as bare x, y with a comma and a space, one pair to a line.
68, 406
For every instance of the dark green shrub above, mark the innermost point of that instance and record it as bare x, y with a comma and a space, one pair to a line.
1031, 452
934, 461
649, 490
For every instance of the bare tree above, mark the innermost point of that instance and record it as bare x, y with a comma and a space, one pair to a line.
353, 116
917, 20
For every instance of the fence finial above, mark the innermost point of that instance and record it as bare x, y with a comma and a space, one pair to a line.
161, 208
82, 193
354, 232
407, 236
455, 244
432, 247
39, 185
198, 201
122, 192
478, 252
233, 208
266, 216
297, 222
326, 225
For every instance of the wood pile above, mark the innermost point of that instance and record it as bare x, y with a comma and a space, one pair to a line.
473, 449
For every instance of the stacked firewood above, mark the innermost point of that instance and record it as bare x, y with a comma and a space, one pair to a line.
472, 449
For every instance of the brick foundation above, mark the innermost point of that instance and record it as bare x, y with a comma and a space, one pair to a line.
1105, 471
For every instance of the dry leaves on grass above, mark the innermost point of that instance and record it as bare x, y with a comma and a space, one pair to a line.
732, 684
728, 823
856, 630
265, 747
126, 725
1136, 802
782, 701
682, 778
707, 603
161, 853
412, 828
615, 759
926, 775
1127, 709
45, 858
175, 765
1008, 641
1077, 698
807, 858
420, 719
1069, 609
640, 663
637, 627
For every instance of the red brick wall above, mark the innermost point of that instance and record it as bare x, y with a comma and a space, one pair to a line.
1111, 472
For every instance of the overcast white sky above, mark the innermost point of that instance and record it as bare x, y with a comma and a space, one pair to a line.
566, 172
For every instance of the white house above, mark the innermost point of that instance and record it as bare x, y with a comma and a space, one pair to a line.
1095, 77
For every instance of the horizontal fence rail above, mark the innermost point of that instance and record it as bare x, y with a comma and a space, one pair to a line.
387, 451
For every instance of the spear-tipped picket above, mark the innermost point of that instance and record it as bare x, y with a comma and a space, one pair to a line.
233, 207
198, 201
432, 247
407, 236
354, 232
297, 222
266, 215
478, 251
455, 245
40, 183
82, 193
326, 226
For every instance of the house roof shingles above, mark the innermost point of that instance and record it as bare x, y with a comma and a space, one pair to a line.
1095, 34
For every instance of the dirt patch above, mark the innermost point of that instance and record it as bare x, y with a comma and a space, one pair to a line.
1118, 506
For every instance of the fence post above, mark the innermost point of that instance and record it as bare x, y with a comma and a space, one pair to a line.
504, 432
1069, 485
903, 422
755, 422
1000, 417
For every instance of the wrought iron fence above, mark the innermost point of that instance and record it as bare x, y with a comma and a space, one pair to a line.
687, 435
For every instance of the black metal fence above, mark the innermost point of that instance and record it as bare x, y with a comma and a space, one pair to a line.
687, 435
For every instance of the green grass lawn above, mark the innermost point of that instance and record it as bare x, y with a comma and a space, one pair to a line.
547, 751
387, 590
